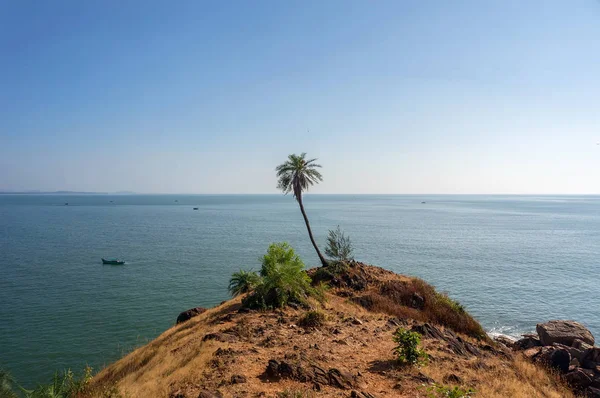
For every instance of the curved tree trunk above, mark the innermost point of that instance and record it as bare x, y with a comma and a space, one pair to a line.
323, 261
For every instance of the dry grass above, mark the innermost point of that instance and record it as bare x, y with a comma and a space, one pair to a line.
180, 361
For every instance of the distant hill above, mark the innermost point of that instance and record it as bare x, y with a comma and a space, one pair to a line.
64, 193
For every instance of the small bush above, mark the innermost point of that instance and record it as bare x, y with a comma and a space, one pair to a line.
243, 282
312, 319
63, 385
339, 247
333, 270
407, 350
7, 385
282, 280
439, 390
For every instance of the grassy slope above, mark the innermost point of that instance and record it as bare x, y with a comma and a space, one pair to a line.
181, 362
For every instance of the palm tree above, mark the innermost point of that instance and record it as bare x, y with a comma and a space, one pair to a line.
296, 175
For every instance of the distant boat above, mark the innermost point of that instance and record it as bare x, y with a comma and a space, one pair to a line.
66, 203
195, 208
423, 202
113, 261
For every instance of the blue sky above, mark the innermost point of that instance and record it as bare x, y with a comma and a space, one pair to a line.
475, 96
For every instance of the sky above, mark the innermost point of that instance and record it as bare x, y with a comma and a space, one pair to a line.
423, 96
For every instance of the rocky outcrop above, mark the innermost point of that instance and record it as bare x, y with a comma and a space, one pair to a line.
563, 332
276, 370
568, 347
189, 314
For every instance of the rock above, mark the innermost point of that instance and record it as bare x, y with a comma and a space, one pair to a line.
575, 353
505, 341
272, 370
208, 394
592, 354
362, 394
223, 337
560, 359
417, 301
557, 358
578, 379
528, 341
238, 379
452, 379
531, 353
587, 364
320, 376
592, 392
563, 332
187, 315
340, 379
580, 345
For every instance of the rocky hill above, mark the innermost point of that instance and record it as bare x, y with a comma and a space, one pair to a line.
342, 347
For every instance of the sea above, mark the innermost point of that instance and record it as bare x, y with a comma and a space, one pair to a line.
512, 261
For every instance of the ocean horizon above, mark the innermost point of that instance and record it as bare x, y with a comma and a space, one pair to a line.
511, 260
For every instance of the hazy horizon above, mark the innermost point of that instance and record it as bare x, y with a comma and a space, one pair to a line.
393, 97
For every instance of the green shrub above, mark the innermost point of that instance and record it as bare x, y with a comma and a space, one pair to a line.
243, 282
7, 385
439, 390
63, 385
333, 270
407, 350
339, 247
282, 280
312, 319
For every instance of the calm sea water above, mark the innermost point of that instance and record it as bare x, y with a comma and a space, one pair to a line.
512, 261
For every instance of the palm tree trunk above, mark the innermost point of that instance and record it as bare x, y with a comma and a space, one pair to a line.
323, 261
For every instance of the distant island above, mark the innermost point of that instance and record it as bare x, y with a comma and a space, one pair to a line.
65, 193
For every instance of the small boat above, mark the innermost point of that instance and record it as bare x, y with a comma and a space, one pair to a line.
113, 261
423, 202
195, 208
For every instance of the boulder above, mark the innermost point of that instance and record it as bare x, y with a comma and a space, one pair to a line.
592, 354
340, 379
578, 379
557, 358
592, 392
532, 352
528, 341
580, 345
187, 315
563, 332
575, 353
505, 341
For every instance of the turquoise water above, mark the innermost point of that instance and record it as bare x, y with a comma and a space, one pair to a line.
512, 261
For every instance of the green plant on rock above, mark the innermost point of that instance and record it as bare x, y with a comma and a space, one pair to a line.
438, 390
243, 282
339, 247
282, 280
407, 351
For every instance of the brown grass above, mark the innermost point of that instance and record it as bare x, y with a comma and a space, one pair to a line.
181, 362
